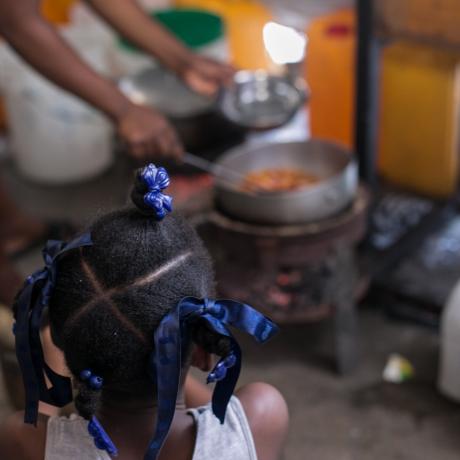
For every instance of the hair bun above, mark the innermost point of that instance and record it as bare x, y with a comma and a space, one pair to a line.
147, 193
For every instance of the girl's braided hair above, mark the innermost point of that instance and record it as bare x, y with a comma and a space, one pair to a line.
110, 297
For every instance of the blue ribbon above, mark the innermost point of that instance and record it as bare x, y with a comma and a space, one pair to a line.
156, 180
171, 338
30, 304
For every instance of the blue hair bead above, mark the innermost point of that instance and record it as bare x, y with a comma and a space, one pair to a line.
156, 180
220, 370
96, 382
101, 439
85, 374
92, 381
230, 361
217, 374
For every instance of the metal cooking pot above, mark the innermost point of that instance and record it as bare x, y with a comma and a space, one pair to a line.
333, 193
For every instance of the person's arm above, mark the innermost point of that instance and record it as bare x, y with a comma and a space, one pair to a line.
43, 48
129, 19
19, 440
268, 418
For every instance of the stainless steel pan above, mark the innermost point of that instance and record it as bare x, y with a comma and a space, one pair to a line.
331, 163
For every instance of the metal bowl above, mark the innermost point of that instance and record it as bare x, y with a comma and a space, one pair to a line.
158, 88
331, 163
201, 127
258, 100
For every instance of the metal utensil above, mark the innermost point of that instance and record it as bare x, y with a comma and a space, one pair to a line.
228, 177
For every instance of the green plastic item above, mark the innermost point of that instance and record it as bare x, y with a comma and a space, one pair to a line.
195, 28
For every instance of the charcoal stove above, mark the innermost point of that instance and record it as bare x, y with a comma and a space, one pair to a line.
295, 273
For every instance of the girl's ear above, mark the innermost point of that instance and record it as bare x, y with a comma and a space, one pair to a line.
201, 359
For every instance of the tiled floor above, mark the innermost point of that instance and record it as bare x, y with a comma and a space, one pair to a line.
358, 417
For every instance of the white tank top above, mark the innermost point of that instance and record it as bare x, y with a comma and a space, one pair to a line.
68, 437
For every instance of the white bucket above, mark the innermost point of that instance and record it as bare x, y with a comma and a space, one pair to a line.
449, 369
56, 138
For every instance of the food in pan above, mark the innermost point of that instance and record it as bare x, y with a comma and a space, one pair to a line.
277, 180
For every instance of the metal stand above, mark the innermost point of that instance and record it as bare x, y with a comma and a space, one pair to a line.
345, 317
367, 82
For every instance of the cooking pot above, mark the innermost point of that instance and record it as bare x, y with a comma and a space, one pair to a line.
332, 164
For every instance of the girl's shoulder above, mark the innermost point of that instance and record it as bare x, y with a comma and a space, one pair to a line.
268, 418
21, 441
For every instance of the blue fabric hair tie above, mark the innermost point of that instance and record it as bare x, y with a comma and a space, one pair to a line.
156, 180
30, 304
171, 339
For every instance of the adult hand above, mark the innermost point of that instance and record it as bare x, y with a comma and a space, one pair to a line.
147, 133
205, 75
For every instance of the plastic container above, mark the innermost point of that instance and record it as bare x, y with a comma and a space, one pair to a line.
56, 138
57, 11
331, 76
449, 370
245, 20
200, 30
150, 5
419, 120
432, 21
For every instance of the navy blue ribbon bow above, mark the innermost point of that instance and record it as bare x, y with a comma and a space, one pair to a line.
171, 338
30, 304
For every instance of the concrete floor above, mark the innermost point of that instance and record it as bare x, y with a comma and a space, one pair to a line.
358, 417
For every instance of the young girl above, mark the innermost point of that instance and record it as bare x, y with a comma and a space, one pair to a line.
131, 306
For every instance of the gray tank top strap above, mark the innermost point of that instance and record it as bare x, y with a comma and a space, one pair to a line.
67, 438
230, 441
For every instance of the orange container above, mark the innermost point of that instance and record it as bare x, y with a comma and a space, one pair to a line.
331, 76
245, 20
57, 11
